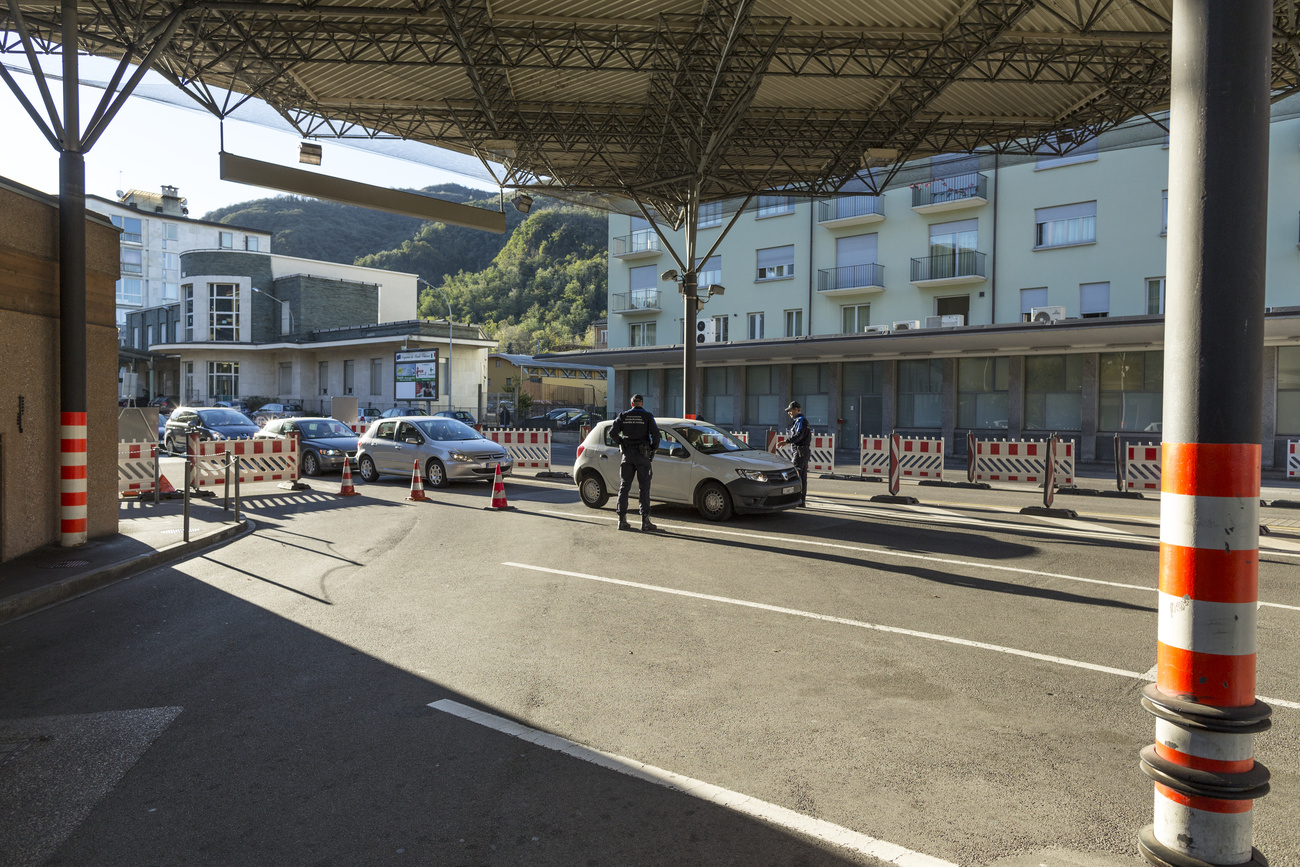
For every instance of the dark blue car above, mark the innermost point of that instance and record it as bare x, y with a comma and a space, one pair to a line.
208, 423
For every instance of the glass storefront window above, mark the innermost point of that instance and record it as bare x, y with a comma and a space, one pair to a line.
719, 395
762, 396
638, 382
1054, 392
810, 384
1131, 391
673, 392
861, 399
1288, 390
920, 393
982, 387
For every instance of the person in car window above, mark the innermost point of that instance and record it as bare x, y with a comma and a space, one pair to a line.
800, 436
637, 436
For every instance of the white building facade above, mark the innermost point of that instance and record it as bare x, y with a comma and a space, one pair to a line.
911, 311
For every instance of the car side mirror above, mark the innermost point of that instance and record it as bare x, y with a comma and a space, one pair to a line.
415, 441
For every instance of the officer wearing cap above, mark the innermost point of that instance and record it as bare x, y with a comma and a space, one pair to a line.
800, 437
637, 435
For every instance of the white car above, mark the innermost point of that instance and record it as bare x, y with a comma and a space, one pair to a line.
697, 464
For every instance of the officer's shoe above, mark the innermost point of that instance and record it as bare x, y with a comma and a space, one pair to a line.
623, 524
647, 527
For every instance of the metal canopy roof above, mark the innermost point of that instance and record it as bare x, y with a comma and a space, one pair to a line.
670, 101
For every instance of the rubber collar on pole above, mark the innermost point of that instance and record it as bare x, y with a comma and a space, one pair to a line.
1162, 856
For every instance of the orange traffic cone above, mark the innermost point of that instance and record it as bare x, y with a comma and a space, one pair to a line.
164, 486
346, 489
498, 492
417, 486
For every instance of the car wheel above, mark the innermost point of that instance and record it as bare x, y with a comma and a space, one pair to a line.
261, 421
310, 464
173, 448
592, 490
366, 469
435, 474
713, 501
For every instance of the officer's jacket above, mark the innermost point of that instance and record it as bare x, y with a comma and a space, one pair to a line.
800, 435
635, 427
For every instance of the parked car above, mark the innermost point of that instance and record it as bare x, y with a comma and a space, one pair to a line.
445, 449
575, 421
697, 464
459, 414
402, 411
325, 442
367, 414
268, 411
165, 404
208, 422
232, 404
549, 420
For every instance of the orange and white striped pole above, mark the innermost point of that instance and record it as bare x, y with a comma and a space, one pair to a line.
1202, 764
72, 479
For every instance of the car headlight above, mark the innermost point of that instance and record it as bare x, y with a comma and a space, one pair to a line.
752, 475
331, 453
460, 456
216, 435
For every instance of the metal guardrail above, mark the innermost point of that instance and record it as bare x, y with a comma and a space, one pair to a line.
951, 189
637, 242
846, 207
637, 299
947, 266
850, 277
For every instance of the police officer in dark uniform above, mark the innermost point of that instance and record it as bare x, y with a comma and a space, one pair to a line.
800, 437
637, 435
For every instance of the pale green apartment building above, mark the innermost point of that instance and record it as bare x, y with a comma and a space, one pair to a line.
995, 295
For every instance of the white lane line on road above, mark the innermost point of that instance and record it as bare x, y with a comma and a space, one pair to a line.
765, 811
862, 624
889, 552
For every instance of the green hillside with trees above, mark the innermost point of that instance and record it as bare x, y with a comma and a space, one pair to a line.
536, 287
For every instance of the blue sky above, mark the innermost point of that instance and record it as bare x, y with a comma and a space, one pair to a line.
150, 144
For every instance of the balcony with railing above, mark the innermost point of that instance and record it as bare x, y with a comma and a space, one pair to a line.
851, 279
949, 194
949, 269
642, 244
844, 211
637, 301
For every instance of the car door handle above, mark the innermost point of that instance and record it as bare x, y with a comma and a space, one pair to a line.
604, 457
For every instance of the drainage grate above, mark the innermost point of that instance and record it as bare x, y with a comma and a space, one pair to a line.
67, 564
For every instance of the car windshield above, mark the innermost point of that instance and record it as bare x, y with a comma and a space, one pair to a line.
326, 428
710, 440
447, 430
223, 416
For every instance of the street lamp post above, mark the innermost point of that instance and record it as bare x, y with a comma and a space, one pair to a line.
285, 304
450, 342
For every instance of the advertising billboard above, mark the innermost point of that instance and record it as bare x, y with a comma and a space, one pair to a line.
415, 375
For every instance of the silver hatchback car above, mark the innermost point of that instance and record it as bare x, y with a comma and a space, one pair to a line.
445, 449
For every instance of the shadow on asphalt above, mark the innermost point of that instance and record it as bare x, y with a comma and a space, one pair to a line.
291, 747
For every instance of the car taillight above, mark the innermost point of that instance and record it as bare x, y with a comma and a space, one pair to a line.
580, 449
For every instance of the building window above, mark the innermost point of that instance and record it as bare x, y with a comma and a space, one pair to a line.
171, 235
862, 386
1131, 389
226, 240
376, 376
170, 291
794, 323
674, 401
130, 227
1156, 296
250, 243
708, 272
187, 309
498, 364
187, 376
710, 215
130, 291
719, 387
643, 287
641, 334
720, 328
286, 378
982, 387
223, 380
135, 336
810, 384
177, 338
132, 261
1288, 390
762, 395
855, 317
1029, 299
755, 330
223, 312
1084, 153
774, 206
638, 382
323, 377
171, 263
776, 263
1065, 225
349, 376
1094, 300
920, 393
148, 336
1054, 392
1164, 213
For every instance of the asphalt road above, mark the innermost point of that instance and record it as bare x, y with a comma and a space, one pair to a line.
953, 680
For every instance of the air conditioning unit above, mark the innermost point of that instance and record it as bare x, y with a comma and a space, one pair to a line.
906, 325
1044, 315
706, 331
934, 322
875, 329
953, 320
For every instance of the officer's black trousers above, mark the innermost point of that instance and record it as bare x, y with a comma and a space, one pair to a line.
801, 464
634, 465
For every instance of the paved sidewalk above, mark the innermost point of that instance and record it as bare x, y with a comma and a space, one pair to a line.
148, 535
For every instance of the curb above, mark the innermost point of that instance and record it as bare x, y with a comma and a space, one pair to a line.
22, 604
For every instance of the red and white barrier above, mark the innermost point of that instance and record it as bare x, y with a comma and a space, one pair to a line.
918, 458
135, 467
821, 455
529, 449
1020, 461
260, 460
1293, 459
1142, 467
740, 435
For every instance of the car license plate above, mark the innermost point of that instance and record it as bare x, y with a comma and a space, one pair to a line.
790, 490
